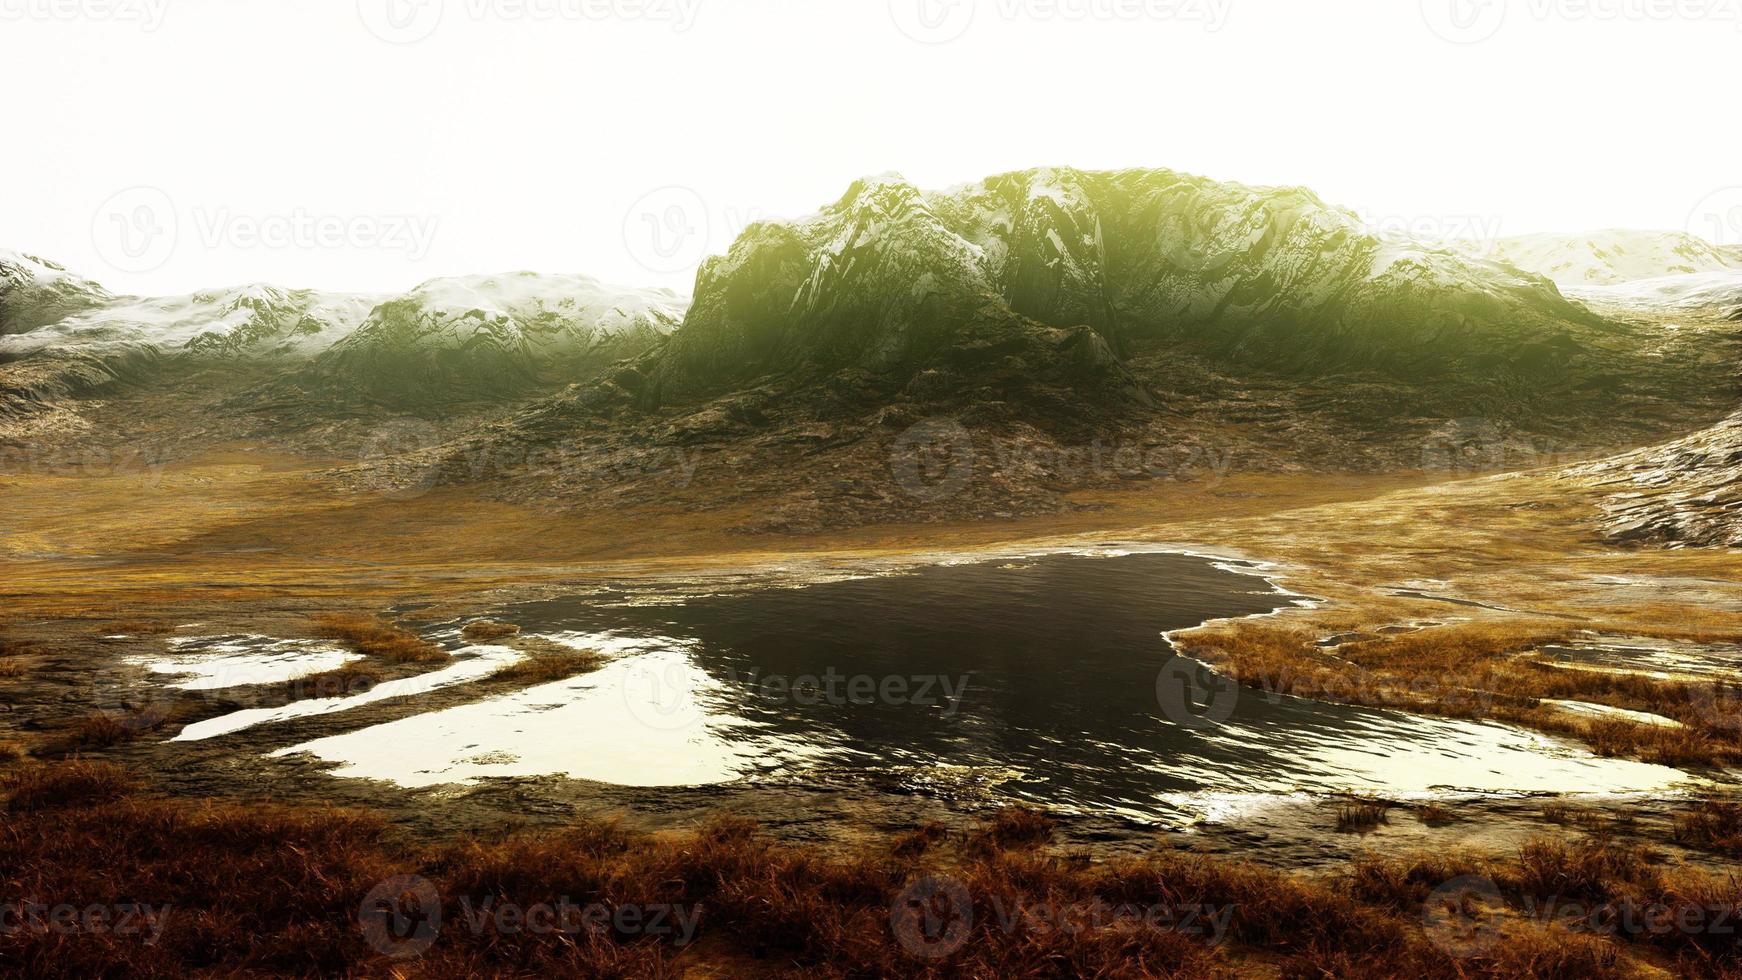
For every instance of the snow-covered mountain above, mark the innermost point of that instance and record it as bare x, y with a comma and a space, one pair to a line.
257, 320
1717, 292
474, 336
1605, 258
35, 292
484, 335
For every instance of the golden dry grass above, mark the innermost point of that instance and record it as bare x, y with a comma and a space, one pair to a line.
547, 661
1483, 669
371, 637
351, 679
485, 630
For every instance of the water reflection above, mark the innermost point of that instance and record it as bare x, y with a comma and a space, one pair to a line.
1044, 668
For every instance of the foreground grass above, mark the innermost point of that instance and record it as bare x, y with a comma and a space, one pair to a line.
264, 889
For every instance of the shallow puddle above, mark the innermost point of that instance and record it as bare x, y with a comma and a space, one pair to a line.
471, 664
1664, 659
213, 663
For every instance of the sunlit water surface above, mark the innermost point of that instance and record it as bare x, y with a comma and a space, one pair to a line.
1048, 677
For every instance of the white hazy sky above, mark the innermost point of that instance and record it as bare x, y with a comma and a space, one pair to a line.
168, 145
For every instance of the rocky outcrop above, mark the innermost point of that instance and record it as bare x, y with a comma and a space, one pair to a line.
1686, 493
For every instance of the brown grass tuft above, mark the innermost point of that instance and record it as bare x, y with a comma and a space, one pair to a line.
351, 679
1359, 816
1013, 826
373, 638
919, 840
548, 661
75, 783
1435, 815
485, 630
1714, 825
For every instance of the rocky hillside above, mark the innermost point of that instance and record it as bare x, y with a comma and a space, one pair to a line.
1688, 493
1605, 258
1038, 320
895, 281
1032, 334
